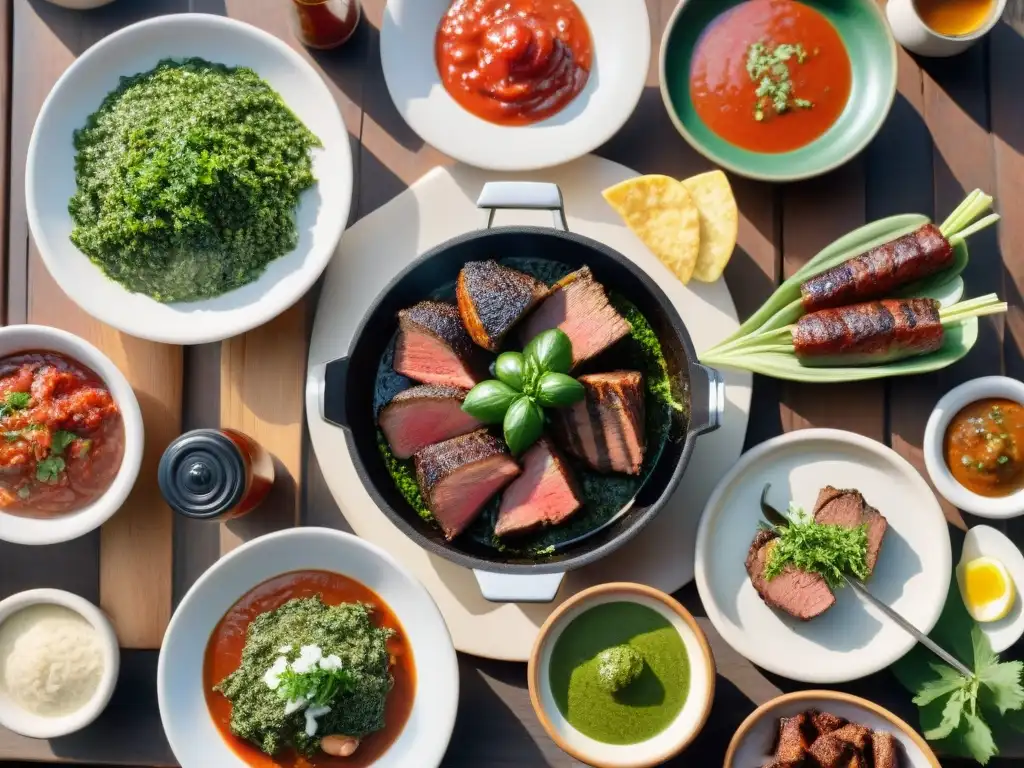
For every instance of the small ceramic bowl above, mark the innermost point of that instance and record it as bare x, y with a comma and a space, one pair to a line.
913, 34
19, 720
52, 530
80, 5
662, 747
998, 508
752, 744
872, 51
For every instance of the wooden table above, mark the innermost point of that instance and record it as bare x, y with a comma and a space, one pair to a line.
956, 124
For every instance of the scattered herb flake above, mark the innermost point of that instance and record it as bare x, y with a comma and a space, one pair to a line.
61, 439
49, 469
769, 68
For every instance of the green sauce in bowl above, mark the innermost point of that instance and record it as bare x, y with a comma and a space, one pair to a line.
643, 708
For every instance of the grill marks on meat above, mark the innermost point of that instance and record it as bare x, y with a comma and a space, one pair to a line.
545, 493
847, 507
424, 415
493, 298
880, 271
606, 428
578, 306
815, 739
870, 333
459, 476
802, 595
434, 348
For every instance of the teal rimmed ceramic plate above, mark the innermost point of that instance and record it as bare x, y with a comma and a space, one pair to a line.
872, 51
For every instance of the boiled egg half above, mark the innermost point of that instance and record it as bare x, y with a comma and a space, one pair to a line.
990, 572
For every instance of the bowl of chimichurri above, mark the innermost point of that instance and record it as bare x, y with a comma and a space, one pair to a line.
621, 676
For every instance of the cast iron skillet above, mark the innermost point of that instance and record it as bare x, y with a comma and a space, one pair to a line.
348, 396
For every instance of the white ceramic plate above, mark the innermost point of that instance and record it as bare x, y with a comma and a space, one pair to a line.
193, 736
621, 38
752, 744
50, 176
852, 639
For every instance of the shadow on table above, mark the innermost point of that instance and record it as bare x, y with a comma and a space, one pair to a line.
78, 30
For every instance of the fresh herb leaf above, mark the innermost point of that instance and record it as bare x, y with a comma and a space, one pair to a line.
946, 681
49, 469
317, 686
1003, 683
61, 440
949, 716
828, 550
977, 738
981, 651
18, 400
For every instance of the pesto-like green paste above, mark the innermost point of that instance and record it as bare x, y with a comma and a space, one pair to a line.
258, 713
188, 179
637, 711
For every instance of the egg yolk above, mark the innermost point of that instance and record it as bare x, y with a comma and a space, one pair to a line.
984, 583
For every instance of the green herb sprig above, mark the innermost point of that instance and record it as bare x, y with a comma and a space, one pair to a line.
14, 401
768, 67
527, 382
318, 686
828, 550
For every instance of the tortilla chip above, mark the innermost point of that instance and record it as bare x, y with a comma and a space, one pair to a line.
719, 223
659, 211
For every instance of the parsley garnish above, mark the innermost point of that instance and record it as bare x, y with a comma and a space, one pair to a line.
49, 469
768, 68
14, 401
61, 440
828, 550
317, 686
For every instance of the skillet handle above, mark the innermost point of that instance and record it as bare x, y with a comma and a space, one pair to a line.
523, 195
707, 396
332, 396
513, 588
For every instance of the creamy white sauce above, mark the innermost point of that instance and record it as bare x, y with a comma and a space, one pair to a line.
51, 660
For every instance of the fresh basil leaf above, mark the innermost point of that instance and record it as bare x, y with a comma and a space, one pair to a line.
530, 375
1002, 682
509, 369
977, 738
945, 681
556, 390
524, 423
551, 350
489, 400
942, 716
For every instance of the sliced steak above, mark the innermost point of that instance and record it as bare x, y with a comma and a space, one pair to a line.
792, 746
493, 298
579, 306
885, 750
606, 429
800, 594
459, 476
434, 348
847, 507
424, 415
545, 494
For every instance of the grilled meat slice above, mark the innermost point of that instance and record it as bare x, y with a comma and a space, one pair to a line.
829, 752
545, 493
848, 508
857, 736
459, 476
579, 306
880, 271
434, 348
868, 334
800, 594
825, 722
606, 429
884, 750
493, 298
792, 745
424, 415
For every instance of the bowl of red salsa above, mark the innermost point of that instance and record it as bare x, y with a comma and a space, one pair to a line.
778, 90
70, 436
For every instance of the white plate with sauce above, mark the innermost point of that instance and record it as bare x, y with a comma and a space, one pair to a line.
852, 639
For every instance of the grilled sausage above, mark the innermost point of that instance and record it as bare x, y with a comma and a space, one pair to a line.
869, 333
880, 271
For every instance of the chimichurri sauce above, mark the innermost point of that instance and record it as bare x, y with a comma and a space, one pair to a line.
648, 704
604, 495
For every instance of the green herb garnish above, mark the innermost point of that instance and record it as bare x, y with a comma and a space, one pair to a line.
49, 469
317, 686
61, 439
14, 401
828, 550
768, 68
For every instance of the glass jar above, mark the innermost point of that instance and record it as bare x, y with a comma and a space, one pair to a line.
215, 474
324, 24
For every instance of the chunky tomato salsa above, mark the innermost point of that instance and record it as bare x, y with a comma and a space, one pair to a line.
513, 62
61, 435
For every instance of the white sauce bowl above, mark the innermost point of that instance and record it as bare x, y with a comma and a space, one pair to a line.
13, 716
998, 508
15, 339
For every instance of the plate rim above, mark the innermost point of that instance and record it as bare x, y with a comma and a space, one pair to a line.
756, 454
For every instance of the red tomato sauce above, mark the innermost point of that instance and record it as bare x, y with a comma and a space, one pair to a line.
61, 435
724, 95
513, 62
224, 656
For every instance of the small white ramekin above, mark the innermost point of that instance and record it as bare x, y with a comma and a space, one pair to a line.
917, 37
998, 508
19, 720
